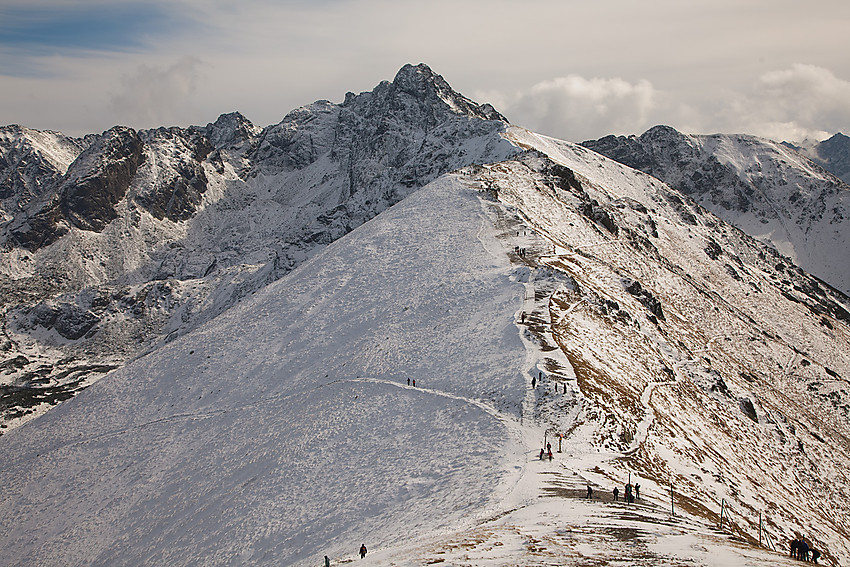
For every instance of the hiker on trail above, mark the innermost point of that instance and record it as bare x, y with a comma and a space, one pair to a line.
549, 447
362, 551
637, 491
803, 550
815, 555
327, 561
616, 493
414, 382
408, 381
589, 492
550, 454
628, 494
795, 546
522, 320
541, 453
533, 382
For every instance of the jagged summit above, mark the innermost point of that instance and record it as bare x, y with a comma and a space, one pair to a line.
144, 235
832, 154
421, 82
230, 129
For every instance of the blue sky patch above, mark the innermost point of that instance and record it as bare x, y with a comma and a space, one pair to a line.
122, 27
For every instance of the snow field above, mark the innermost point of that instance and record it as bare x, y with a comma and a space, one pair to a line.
284, 429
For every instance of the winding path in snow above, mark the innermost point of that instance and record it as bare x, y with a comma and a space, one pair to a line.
642, 431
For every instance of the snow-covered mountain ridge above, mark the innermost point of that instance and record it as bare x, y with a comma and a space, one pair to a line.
767, 189
118, 242
548, 292
832, 154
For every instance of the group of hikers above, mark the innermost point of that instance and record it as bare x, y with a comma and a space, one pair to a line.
631, 492
548, 451
362, 553
801, 549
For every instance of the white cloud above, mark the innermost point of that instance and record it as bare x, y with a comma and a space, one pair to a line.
157, 95
577, 108
803, 101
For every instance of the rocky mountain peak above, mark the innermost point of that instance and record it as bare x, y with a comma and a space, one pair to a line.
832, 154
31, 161
230, 130
100, 177
422, 83
662, 130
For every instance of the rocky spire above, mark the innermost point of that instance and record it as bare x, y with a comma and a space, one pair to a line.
421, 82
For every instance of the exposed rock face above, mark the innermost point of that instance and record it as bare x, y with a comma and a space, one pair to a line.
99, 178
382, 145
41, 228
832, 154
154, 232
68, 320
31, 162
767, 189
176, 191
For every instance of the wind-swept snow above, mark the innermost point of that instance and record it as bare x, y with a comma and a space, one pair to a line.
396, 386
286, 428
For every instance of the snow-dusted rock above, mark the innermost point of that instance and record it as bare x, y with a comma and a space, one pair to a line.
765, 188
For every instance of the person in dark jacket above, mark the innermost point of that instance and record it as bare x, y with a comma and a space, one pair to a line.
616, 493
362, 551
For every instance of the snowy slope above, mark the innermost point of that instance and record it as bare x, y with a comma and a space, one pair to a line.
717, 365
149, 234
286, 426
766, 189
540, 293
284, 430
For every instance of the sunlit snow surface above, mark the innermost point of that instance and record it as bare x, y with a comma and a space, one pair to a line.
286, 427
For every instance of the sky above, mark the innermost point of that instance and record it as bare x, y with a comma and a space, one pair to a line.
571, 69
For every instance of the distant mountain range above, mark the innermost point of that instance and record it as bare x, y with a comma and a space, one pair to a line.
229, 316
768, 190
116, 243
832, 154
